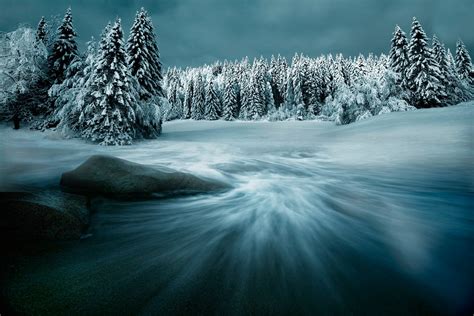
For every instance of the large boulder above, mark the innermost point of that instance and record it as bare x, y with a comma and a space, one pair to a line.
48, 215
118, 178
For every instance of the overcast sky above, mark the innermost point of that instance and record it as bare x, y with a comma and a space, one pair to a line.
193, 32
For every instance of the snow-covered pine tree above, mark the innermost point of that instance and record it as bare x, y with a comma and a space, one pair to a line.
268, 97
245, 96
274, 78
464, 63
176, 106
278, 74
230, 101
313, 103
199, 99
306, 81
463, 91
64, 48
104, 35
454, 93
41, 32
144, 57
289, 93
297, 88
188, 99
439, 53
110, 118
318, 87
262, 79
297, 82
72, 94
398, 58
424, 76
300, 78
256, 101
213, 104
333, 78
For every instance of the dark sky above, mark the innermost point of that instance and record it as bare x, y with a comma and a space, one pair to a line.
193, 32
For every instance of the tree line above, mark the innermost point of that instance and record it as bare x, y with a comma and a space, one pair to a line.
116, 92
415, 74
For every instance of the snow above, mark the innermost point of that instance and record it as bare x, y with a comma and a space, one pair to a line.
387, 196
431, 137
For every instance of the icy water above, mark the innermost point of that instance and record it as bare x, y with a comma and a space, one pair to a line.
321, 220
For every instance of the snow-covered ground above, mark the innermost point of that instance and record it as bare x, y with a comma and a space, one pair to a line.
376, 215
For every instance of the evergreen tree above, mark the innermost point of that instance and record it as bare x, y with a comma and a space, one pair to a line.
289, 94
176, 106
278, 73
424, 77
188, 100
110, 117
71, 95
143, 56
262, 81
256, 101
297, 88
64, 48
199, 99
41, 32
213, 106
463, 63
398, 58
439, 53
245, 98
453, 88
230, 102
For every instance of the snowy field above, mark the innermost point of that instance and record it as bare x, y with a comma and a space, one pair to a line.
374, 216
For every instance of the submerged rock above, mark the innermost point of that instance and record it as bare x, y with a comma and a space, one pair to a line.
114, 177
48, 215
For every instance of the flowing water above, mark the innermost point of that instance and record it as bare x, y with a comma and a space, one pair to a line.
301, 232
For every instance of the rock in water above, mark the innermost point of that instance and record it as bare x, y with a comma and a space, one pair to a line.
48, 215
118, 178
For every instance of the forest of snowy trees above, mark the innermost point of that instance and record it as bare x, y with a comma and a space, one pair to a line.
111, 94
116, 91
415, 74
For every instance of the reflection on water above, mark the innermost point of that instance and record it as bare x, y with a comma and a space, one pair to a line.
297, 235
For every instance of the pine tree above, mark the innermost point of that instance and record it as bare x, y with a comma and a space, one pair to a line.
41, 33
110, 118
314, 107
262, 82
213, 106
143, 56
245, 96
278, 73
64, 48
439, 53
463, 63
453, 88
199, 99
424, 77
297, 88
289, 94
188, 100
176, 106
256, 101
71, 95
398, 58
230, 102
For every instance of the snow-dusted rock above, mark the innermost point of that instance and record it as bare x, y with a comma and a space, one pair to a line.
114, 177
48, 215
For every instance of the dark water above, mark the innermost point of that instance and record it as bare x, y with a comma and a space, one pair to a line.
297, 235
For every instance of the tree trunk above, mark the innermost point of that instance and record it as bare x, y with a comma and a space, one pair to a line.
16, 122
